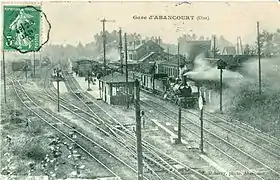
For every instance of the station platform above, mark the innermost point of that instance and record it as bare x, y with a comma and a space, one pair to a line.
84, 86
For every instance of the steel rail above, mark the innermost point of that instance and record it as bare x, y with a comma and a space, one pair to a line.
81, 134
238, 149
118, 123
194, 171
95, 117
264, 136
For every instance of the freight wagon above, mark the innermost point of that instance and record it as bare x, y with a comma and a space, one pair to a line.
20, 65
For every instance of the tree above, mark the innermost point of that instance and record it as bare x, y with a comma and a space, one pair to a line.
201, 38
247, 49
194, 37
266, 44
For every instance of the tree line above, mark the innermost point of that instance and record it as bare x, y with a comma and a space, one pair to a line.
269, 42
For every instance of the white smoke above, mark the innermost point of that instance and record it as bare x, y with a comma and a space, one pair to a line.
203, 70
248, 86
113, 55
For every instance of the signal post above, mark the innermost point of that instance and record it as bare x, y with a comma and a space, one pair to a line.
201, 102
58, 78
221, 65
138, 130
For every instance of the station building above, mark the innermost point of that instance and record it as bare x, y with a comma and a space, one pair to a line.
113, 88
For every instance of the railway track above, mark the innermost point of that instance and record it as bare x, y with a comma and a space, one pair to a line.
171, 114
94, 120
129, 147
152, 158
63, 128
248, 134
264, 141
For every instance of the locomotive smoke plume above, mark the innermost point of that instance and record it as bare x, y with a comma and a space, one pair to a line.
204, 71
113, 55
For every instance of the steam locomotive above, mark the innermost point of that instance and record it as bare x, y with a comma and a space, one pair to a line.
183, 92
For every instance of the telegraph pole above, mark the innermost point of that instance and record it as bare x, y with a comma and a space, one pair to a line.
58, 78
34, 63
237, 46
168, 53
138, 130
178, 60
221, 90
179, 141
26, 69
104, 46
259, 54
120, 46
126, 71
4, 77
221, 76
104, 42
57, 81
241, 47
214, 48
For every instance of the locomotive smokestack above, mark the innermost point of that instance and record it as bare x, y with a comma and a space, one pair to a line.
182, 70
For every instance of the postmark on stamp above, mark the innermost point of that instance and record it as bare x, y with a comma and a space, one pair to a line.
22, 28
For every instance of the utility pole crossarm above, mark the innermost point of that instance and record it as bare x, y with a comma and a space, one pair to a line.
104, 41
106, 20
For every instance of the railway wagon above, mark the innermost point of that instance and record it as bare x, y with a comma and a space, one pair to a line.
157, 83
20, 65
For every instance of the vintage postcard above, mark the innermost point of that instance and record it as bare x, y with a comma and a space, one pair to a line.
159, 90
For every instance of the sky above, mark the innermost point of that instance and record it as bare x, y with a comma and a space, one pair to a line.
74, 22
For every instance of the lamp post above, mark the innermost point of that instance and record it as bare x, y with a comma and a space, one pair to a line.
26, 68
89, 79
178, 63
179, 140
221, 65
201, 102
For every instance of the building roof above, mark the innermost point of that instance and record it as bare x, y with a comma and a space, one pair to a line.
202, 43
115, 77
83, 61
173, 60
149, 42
146, 57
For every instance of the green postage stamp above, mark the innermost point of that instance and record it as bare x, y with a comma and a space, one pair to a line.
22, 28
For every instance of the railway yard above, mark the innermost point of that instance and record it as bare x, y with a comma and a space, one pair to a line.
90, 139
